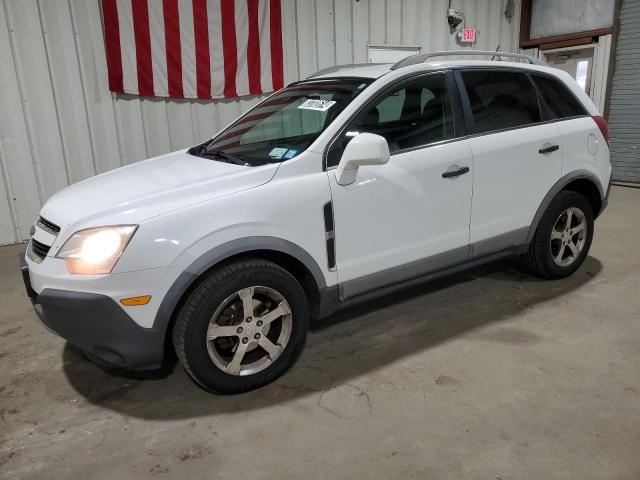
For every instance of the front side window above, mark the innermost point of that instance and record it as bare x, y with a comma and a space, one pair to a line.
500, 100
560, 102
415, 113
285, 125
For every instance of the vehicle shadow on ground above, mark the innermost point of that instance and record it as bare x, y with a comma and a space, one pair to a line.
346, 345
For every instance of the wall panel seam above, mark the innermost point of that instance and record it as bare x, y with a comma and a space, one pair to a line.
27, 123
8, 190
45, 44
85, 102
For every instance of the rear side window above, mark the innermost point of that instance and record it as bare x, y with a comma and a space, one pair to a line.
558, 98
500, 100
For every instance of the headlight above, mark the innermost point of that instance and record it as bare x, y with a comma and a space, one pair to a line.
95, 251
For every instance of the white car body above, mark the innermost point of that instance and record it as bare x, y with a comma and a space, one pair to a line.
396, 222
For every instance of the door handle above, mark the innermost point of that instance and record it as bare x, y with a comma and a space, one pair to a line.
455, 173
549, 149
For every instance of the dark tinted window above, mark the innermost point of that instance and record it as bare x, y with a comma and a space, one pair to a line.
414, 114
558, 98
500, 100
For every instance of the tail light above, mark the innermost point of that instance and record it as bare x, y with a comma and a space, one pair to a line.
603, 126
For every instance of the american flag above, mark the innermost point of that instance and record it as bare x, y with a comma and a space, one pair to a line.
193, 48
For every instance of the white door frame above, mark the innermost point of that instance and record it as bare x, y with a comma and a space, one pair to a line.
592, 47
599, 69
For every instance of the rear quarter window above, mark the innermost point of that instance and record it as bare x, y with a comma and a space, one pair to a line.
560, 101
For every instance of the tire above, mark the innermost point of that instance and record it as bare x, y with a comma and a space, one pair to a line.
542, 258
216, 308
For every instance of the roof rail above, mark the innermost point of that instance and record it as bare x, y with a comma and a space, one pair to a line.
423, 57
337, 68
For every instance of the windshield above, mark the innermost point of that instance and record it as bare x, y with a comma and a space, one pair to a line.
283, 126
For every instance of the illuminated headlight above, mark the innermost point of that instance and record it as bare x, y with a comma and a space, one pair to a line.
95, 251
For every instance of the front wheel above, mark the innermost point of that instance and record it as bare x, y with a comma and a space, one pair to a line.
242, 327
563, 237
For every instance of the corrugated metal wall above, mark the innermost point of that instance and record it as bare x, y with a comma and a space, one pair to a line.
60, 124
624, 106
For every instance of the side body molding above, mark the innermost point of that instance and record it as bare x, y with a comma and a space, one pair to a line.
557, 187
220, 253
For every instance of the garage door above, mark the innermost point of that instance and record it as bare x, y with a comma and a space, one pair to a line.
624, 108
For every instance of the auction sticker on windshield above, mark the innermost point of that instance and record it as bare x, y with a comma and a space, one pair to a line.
318, 105
277, 152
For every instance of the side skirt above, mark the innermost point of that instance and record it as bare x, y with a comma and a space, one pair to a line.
331, 301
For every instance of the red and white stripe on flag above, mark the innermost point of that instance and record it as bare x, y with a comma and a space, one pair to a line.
193, 48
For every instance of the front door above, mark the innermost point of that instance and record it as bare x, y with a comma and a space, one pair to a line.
410, 216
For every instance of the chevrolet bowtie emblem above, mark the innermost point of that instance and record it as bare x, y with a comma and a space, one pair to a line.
32, 232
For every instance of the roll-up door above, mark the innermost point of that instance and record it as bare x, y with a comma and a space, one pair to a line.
624, 107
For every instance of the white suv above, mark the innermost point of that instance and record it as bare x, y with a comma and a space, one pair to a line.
355, 182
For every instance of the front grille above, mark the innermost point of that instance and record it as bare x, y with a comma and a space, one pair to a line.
40, 249
37, 251
48, 226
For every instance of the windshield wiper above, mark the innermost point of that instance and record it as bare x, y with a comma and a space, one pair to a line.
226, 157
198, 149
201, 151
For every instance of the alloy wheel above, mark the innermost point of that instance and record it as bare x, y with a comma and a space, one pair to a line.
568, 236
249, 330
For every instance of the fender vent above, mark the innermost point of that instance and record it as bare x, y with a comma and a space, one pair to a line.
329, 235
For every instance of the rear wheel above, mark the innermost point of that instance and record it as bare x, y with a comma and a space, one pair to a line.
242, 327
563, 237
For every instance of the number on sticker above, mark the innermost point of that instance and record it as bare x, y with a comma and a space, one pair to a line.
318, 105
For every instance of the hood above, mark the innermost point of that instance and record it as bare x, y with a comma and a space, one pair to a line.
146, 189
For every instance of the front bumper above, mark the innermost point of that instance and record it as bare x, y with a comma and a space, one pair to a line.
96, 324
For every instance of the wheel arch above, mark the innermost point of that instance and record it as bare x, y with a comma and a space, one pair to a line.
580, 181
286, 254
588, 189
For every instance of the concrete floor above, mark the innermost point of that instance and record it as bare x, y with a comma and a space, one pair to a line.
487, 375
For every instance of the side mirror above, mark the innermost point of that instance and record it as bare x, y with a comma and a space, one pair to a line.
364, 149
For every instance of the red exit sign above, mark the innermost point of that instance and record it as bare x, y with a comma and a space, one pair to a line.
469, 35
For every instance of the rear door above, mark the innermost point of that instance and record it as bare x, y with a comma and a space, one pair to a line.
517, 156
583, 143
